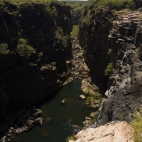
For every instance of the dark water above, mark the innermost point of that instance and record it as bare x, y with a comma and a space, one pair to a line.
62, 116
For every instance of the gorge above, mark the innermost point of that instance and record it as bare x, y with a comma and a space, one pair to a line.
38, 57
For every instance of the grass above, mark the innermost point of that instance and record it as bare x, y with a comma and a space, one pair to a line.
75, 30
137, 126
91, 99
70, 138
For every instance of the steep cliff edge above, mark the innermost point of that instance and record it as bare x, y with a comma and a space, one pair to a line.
123, 49
34, 46
123, 97
94, 27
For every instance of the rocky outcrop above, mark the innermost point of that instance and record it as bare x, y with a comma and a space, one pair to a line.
94, 27
20, 122
123, 97
111, 132
34, 46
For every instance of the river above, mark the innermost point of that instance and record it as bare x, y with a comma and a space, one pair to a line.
58, 117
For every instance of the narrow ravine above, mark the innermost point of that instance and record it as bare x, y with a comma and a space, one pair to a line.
63, 111
58, 118
60, 80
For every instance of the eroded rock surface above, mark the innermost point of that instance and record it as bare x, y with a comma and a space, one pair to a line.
111, 132
124, 96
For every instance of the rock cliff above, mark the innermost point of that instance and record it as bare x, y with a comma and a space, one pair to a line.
34, 46
117, 39
123, 96
94, 27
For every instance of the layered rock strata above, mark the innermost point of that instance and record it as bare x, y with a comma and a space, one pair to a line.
123, 96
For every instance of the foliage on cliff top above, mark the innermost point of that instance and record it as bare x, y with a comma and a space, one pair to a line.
39, 23
29, 1
76, 8
137, 126
116, 4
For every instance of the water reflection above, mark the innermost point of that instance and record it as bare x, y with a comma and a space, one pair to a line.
58, 118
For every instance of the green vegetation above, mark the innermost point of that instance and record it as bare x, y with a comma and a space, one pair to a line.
91, 98
137, 126
70, 138
29, 1
116, 3
109, 69
23, 48
76, 8
53, 63
4, 49
32, 64
74, 30
24, 34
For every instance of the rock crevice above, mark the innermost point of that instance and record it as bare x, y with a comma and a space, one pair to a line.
123, 96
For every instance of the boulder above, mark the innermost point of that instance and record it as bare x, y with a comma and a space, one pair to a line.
18, 131
30, 123
93, 114
111, 132
64, 101
82, 97
38, 121
37, 113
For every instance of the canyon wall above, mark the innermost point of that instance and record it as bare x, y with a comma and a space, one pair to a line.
35, 43
112, 34
123, 96
94, 28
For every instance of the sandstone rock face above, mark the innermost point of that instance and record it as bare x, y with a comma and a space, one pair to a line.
111, 132
124, 96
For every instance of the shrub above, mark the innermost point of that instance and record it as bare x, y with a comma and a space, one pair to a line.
109, 69
4, 49
32, 64
53, 63
70, 138
23, 48
98, 96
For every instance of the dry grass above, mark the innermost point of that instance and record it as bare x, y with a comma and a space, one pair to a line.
137, 126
